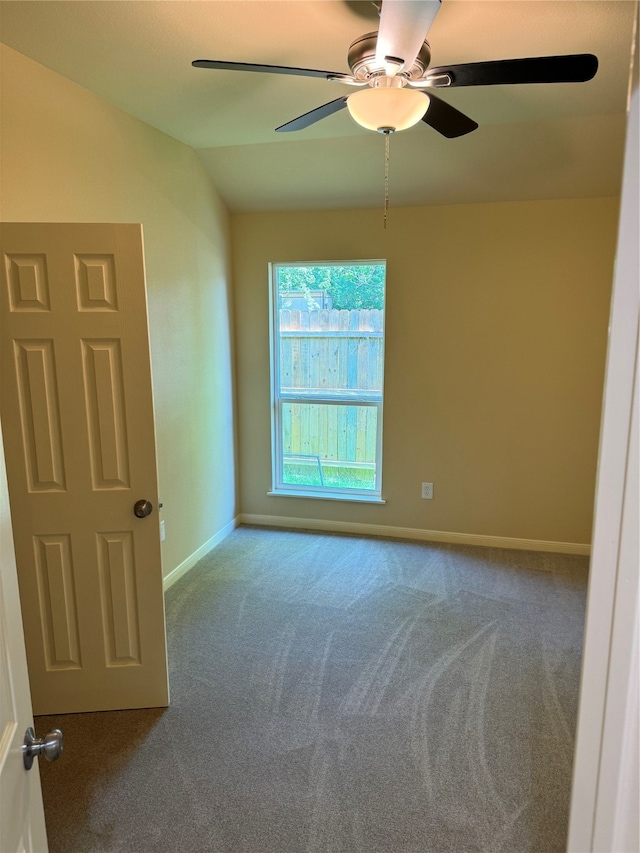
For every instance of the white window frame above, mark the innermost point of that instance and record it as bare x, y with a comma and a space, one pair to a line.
344, 397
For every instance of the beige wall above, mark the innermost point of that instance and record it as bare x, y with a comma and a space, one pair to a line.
67, 155
496, 327
495, 347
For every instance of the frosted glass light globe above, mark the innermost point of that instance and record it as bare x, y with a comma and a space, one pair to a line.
389, 109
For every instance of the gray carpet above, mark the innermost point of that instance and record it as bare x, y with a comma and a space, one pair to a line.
338, 694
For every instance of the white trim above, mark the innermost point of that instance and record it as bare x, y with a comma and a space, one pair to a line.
279, 398
616, 819
354, 497
604, 805
390, 532
175, 574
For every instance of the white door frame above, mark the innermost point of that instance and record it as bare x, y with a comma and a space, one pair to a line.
604, 803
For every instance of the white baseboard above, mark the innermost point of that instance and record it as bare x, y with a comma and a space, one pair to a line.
372, 530
416, 533
189, 563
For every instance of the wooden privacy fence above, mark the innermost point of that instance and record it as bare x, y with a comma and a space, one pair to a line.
334, 355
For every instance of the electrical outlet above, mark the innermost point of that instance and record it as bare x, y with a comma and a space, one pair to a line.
162, 532
427, 491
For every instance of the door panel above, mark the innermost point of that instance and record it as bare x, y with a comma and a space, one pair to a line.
21, 814
77, 412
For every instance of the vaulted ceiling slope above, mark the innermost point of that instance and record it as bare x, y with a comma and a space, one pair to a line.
534, 141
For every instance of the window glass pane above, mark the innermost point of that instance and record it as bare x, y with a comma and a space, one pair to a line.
331, 324
329, 445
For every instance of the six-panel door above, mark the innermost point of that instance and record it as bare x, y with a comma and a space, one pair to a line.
77, 412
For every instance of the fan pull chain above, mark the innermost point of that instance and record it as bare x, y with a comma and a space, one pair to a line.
386, 177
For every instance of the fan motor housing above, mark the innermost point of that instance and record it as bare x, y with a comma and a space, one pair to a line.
362, 55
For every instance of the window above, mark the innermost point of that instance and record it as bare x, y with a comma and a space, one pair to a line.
327, 369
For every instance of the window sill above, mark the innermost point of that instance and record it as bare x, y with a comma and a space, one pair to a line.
364, 499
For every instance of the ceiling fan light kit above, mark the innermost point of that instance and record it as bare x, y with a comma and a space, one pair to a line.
387, 109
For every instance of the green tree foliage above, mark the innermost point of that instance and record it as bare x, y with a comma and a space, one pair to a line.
351, 287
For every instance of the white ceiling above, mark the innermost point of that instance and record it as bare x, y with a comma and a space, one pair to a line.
536, 141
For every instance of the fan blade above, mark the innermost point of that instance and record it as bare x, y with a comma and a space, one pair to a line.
313, 115
573, 68
404, 25
446, 119
222, 65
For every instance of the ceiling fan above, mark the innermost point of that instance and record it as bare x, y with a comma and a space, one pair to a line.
391, 70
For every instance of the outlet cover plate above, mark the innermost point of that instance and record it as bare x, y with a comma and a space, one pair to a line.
427, 491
